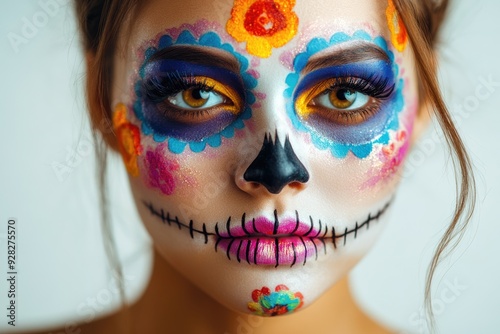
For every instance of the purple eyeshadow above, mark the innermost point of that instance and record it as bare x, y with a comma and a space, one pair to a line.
162, 79
380, 76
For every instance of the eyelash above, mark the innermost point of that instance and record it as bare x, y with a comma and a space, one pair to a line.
157, 90
378, 88
375, 88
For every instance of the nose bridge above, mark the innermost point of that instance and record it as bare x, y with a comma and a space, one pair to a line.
270, 114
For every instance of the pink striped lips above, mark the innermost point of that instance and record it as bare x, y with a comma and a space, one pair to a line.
276, 242
265, 242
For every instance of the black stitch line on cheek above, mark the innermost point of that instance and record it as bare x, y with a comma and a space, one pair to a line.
255, 252
217, 230
356, 231
162, 215
297, 222
178, 222
228, 227
319, 231
191, 228
324, 244
243, 224
277, 252
217, 243
294, 255
315, 247
248, 251
238, 253
334, 236
305, 250
326, 231
276, 222
254, 227
368, 221
229, 248
205, 234
345, 236
168, 219
311, 228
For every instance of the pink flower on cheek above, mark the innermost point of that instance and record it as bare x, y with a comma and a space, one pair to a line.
160, 171
390, 159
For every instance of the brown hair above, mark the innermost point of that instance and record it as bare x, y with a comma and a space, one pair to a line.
101, 20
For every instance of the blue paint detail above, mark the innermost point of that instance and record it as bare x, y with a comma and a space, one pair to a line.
211, 39
164, 42
176, 146
320, 141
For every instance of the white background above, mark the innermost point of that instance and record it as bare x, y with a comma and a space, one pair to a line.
63, 273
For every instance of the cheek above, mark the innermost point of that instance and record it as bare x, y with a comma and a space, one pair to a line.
386, 161
160, 170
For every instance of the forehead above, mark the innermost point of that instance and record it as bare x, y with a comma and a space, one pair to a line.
316, 18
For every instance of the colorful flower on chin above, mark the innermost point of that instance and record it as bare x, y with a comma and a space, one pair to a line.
281, 301
129, 139
399, 37
263, 24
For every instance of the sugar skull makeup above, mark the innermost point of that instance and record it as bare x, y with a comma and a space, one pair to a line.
346, 106
193, 102
254, 173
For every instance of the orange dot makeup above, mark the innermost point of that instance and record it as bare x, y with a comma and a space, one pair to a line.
263, 25
129, 139
399, 36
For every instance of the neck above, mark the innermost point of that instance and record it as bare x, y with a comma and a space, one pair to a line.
170, 301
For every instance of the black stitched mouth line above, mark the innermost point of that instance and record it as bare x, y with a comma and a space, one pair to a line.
167, 219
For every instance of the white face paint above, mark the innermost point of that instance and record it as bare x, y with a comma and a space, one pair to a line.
263, 162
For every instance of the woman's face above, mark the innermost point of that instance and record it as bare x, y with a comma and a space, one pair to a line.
264, 139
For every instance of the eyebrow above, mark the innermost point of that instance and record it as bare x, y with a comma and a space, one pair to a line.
197, 55
355, 53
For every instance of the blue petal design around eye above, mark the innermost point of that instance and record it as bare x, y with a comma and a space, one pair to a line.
159, 138
214, 141
197, 147
149, 52
316, 45
176, 146
362, 35
186, 38
338, 38
211, 39
228, 132
146, 129
164, 42
337, 148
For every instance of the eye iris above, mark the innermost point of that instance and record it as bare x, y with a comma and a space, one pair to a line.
342, 98
195, 97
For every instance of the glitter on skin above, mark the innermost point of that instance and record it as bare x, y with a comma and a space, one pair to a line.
161, 171
399, 37
264, 25
391, 157
129, 139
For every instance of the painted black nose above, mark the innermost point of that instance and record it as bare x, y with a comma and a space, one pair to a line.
276, 166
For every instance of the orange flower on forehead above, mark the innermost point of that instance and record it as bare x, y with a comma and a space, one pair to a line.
129, 139
399, 36
263, 24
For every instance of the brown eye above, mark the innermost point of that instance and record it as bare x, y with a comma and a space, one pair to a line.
342, 98
195, 97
